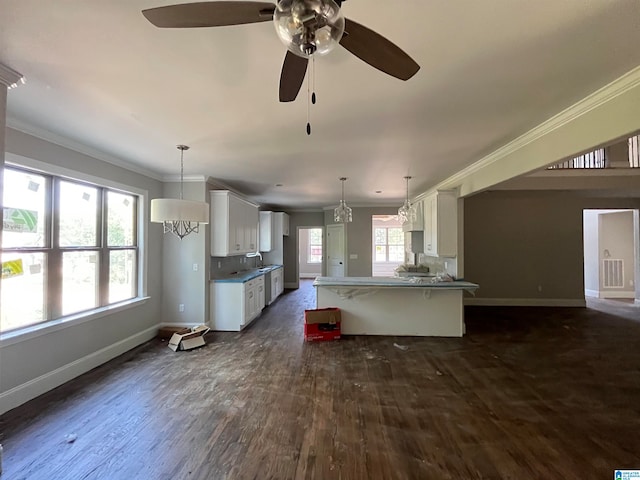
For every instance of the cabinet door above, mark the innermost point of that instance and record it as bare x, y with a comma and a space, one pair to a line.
260, 297
253, 220
236, 228
266, 231
429, 225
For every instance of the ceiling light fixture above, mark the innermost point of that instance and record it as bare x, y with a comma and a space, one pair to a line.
180, 217
309, 27
342, 213
406, 213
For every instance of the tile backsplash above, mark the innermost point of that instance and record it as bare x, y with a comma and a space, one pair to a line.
437, 264
228, 265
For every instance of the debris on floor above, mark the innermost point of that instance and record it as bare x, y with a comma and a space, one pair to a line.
404, 348
71, 438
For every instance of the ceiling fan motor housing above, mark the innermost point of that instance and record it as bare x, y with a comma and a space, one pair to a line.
309, 27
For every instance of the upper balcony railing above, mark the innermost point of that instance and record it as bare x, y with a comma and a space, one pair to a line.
595, 159
598, 159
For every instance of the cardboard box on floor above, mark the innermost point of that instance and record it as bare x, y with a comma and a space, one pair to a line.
189, 338
322, 324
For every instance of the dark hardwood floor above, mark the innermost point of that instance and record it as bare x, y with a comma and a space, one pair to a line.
528, 393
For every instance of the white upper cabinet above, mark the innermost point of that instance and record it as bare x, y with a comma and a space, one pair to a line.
284, 222
418, 224
267, 231
441, 224
234, 224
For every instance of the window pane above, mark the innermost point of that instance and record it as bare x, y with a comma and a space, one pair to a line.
79, 281
23, 285
315, 254
380, 235
396, 236
121, 218
315, 236
122, 275
24, 207
396, 253
381, 253
78, 215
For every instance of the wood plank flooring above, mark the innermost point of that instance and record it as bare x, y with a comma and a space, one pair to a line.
528, 393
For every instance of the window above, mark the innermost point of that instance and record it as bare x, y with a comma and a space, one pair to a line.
314, 254
67, 247
388, 244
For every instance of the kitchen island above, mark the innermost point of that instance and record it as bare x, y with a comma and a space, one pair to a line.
395, 306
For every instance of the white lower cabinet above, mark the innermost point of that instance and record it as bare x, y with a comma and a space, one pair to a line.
235, 305
277, 283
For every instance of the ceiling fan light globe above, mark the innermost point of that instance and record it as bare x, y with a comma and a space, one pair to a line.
309, 27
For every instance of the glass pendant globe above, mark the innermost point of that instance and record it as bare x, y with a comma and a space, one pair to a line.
309, 27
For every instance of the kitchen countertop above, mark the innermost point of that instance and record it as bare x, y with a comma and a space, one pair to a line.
245, 275
419, 282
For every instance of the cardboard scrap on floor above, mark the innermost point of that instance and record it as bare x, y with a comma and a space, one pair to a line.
189, 338
322, 324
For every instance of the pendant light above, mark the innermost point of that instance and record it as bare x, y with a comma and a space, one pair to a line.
342, 213
406, 213
180, 217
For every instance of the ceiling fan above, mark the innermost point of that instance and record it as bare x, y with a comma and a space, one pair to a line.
306, 27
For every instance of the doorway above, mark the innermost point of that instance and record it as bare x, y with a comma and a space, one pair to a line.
388, 245
611, 254
310, 252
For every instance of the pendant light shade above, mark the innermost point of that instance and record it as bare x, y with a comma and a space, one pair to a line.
342, 213
406, 213
180, 217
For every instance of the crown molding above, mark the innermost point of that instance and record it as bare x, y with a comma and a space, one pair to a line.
80, 148
9, 77
618, 87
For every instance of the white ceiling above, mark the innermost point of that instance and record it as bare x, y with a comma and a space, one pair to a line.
99, 74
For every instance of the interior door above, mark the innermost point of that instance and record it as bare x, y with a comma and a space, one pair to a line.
335, 251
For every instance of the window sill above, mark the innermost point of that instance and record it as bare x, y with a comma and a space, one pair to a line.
33, 331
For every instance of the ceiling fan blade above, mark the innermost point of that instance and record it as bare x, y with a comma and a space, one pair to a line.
294, 69
209, 14
377, 51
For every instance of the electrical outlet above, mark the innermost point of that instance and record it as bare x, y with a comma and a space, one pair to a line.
539, 288
181, 307
195, 267
219, 264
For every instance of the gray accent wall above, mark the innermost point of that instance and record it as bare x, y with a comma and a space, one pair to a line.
181, 283
529, 245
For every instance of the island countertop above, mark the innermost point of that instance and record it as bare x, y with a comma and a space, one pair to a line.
391, 282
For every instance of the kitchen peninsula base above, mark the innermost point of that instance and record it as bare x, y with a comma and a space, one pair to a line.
395, 306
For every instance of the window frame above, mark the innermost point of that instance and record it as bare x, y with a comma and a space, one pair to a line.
53, 316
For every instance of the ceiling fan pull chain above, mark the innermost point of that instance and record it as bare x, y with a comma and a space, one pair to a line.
309, 103
313, 80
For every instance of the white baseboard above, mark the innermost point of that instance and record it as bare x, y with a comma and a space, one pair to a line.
617, 294
592, 293
526, 302
42, 384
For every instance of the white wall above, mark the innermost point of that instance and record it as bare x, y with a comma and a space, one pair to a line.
616, 238
32, 365
591, 255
